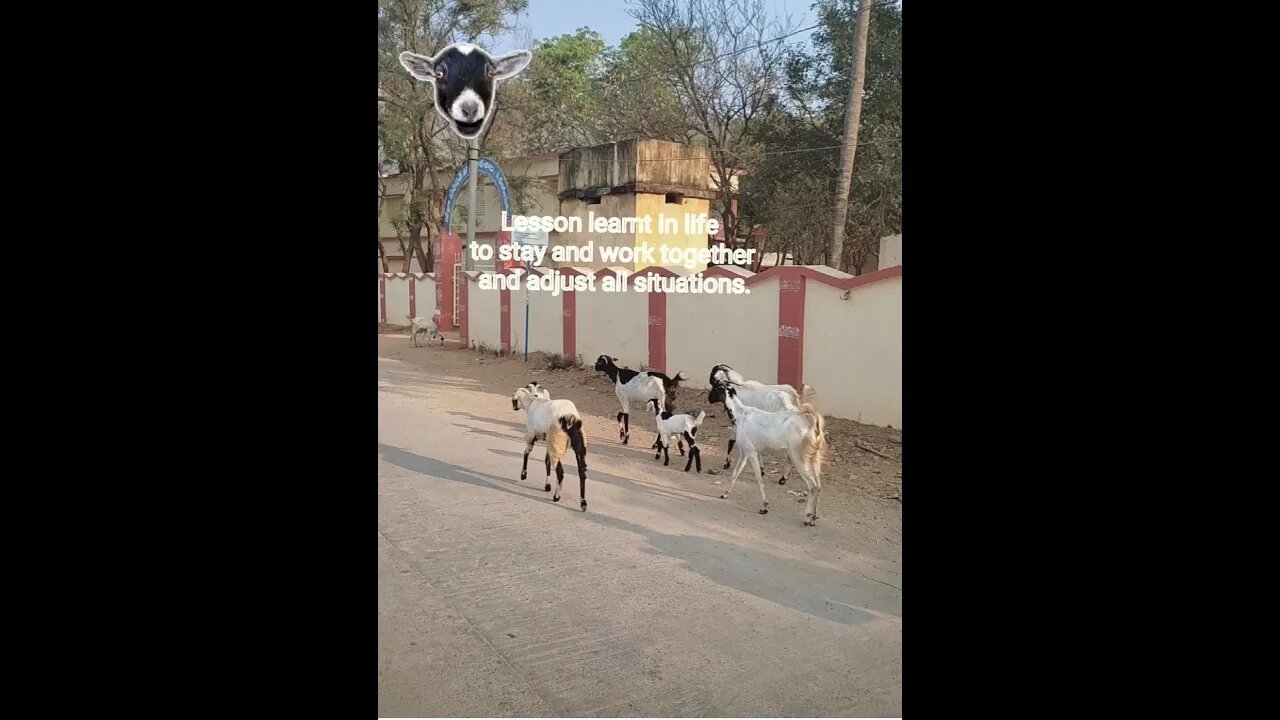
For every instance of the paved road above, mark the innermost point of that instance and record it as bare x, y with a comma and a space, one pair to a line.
661, 600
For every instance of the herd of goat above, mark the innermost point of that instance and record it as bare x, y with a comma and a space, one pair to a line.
765, 418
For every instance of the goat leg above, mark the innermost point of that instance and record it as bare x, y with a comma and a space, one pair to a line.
524, 465
695, 454
727, 453
582, 479
559, 481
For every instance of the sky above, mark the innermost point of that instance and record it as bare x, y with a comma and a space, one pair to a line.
549, 18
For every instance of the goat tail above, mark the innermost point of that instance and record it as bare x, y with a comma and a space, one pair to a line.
406, 317
697, 419
679, 378
572, 426
806, 394
817, 439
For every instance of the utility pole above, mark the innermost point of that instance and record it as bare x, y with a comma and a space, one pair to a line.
473, 158
852, 117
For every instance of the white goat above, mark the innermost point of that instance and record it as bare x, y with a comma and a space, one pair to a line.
799, 433
559, 424
633, 386
684, 425
774, 398
422, 325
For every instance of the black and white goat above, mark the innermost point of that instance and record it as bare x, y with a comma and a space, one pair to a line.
774, 398
559, 424
799, 433
466, 82
683, 425
634, 386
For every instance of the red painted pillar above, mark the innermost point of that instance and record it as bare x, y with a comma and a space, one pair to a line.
382, 297
504, 321
413, 296
569, 304
464, 289
448, 254
791, 288
657, 331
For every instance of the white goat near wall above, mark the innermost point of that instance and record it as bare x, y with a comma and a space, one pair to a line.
774, 398
559, 424
684, 425
422, 325
799, 433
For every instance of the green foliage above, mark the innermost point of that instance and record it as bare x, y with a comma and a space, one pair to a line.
793, 193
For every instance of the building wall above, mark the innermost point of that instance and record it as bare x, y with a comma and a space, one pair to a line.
656, 207
623, 205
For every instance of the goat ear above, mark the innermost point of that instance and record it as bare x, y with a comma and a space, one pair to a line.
510, 65
419, 66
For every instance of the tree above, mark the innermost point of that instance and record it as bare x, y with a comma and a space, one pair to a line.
413, 136
792, 190
717, 57
556, 95
849, 149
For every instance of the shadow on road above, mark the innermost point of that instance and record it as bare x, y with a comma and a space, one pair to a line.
846, 598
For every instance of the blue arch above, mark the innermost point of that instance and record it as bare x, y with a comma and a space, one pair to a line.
486, 167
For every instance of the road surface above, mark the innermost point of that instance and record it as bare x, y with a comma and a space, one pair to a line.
661, 600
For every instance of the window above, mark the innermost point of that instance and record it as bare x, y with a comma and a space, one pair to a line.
594, 200
674, 199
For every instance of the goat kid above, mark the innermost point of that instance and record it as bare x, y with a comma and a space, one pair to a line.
799, 433
684, 425
466, 82
634, 386
559, 424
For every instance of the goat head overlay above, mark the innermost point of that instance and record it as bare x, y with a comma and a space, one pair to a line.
466, 78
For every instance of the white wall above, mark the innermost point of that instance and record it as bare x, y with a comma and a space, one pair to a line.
738, 330
890, 251
397, 300
853, 350
613, 324
484, 325
546, 321
425, 295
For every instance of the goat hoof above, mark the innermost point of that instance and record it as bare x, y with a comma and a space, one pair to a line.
584, 506
764, 511
726, 465
523, 476
724, 496
783, 481
547, 488
555, 499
